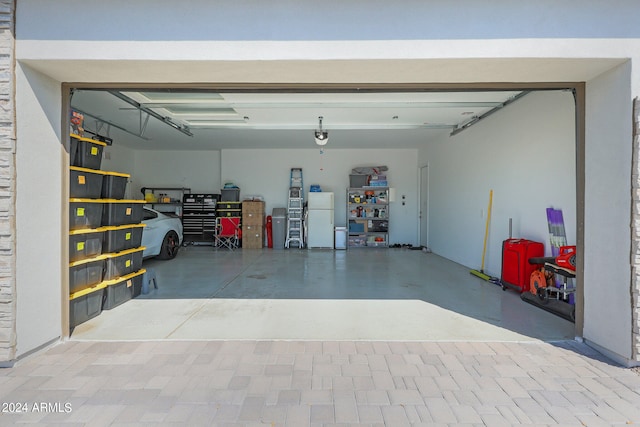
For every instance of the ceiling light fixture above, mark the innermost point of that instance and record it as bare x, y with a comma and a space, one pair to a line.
322, 137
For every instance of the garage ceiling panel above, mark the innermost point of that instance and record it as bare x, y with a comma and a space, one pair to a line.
249, 115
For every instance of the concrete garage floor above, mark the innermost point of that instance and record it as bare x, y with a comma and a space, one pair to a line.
380, 295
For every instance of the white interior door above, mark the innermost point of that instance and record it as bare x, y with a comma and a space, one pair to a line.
424, 205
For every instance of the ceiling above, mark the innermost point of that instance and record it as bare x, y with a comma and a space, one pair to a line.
204, 120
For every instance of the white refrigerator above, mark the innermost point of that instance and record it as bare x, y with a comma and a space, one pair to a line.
320, 231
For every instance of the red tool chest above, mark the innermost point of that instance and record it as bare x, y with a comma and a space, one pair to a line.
516, 269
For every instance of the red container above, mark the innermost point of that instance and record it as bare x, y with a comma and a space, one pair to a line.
516, 269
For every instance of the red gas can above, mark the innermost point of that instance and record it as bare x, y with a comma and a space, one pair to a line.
516, 270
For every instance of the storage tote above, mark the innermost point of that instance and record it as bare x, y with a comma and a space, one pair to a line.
86, 273
122, 237
85, 304
85, 213
230, 194
358, 181
114, 185
88, 153
121, 212
85, 243
123, 263
85, 183
123, 289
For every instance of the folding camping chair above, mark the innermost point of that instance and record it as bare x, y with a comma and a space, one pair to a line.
227, 233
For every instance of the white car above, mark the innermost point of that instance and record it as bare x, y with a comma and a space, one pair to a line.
162, 236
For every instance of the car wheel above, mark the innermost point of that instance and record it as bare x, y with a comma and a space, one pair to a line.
170, 246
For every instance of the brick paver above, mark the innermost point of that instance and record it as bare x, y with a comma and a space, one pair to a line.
283, 383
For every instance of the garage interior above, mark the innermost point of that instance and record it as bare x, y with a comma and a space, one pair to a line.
445, 150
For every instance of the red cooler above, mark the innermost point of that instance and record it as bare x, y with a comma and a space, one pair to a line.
516, 269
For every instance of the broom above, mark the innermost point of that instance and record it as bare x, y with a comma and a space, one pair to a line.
480, 273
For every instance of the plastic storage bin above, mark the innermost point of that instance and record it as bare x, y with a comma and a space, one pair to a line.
358, 181
358, 241
86, 273
85, 304
229, 209
121, 290
123, 263
138, 281
85, 243
88, 153
375, 225
123, 237
73, 148
356, 227
377, 241
114, 185
230, 194
85, 213
121, 212
85, 183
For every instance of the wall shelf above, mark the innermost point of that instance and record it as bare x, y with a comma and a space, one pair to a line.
368, 217
154, 196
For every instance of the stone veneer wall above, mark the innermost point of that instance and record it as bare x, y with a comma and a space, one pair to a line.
635, 237
7, 183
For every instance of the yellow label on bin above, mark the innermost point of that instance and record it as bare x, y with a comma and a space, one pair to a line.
128, 211
80, 212
80, 246
129, 283
81, 180
127, 236
94, 151
127, 263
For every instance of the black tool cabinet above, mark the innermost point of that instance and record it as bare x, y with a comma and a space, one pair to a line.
199, 217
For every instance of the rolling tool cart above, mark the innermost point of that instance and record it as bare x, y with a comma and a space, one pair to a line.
199, 212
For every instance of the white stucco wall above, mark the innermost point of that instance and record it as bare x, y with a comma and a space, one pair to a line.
607, 271
39, 210
197, 170
202, 41
335, 20
266, 173
526, 154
